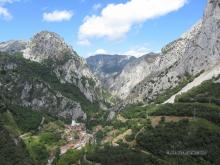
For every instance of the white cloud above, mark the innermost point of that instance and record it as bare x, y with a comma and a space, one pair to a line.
8, 1
57, 16
84, 42
116, 20
96, 6
137, 51
4, 13
100, 51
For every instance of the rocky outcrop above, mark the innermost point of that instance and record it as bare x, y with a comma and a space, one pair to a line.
77, 73
47, 45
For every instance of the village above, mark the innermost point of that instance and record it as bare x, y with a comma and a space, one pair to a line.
76, 137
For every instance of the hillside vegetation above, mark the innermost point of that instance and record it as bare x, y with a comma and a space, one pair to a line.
33, 72
186, 132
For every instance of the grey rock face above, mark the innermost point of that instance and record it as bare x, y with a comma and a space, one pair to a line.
35, 94
43, 100
166, 73
111, 115
130, 83
46, 45
133, 72
196, 51
13, 46
204, 49
76, 72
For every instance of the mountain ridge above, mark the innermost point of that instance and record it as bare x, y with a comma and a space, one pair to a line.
200, 54
56, 67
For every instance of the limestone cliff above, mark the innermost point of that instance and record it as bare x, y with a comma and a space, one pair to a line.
197, 51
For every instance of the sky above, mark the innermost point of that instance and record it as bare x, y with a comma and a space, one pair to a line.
129, 27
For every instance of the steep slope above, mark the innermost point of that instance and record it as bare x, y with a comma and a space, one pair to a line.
164, 74
133, 72
207, 75
68, 66
48, 76
152, 65
34, 85
203, 50
12, 149
48, 47
198, 52
108, 66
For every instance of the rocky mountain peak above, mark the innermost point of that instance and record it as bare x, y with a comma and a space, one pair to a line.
47, 45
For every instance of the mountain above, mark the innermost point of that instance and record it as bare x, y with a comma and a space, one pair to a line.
163, 76
181, 123
118, 73
47, 75
163, 133
133, 72
146, 78
169, 112
108, 66
195, 52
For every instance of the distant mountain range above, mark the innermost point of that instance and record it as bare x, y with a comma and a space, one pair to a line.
106, 66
